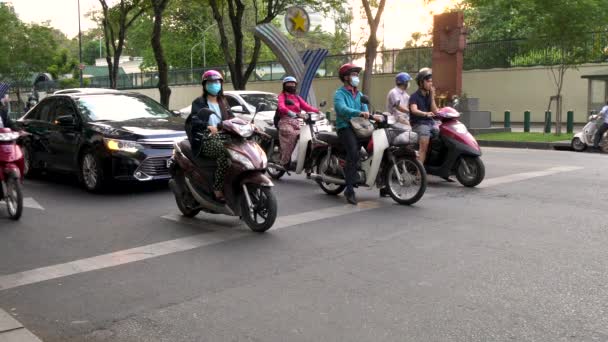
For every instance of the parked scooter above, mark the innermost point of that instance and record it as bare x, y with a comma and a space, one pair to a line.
248, 192
582, 140
303, 156
388, 161
11, 172
454, 151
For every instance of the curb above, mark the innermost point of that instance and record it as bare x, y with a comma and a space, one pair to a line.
562, 146
13, 331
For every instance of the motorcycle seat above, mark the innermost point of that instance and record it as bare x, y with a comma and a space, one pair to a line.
333, 139
200, 162
273, 132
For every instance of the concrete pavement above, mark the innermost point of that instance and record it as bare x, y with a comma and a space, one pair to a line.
520, 258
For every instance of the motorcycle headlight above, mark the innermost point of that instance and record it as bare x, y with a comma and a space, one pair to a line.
128, 146
234, 155
245, 130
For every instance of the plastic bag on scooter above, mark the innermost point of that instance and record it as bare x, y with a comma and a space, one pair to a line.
405, 138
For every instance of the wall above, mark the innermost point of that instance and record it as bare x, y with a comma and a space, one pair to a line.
514, 89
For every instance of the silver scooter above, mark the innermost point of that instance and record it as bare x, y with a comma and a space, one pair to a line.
582, 140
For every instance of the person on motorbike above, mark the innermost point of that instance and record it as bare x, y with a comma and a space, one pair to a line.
5, 119
603, 128
31, 102
397, 100
422, 110
289, 126
347, 105
208, 112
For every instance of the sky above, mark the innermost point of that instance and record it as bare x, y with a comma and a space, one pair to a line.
400, 19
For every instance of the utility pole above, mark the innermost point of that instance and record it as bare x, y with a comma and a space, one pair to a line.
80, 66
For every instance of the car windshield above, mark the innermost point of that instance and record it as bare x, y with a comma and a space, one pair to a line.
254, 99
119, 107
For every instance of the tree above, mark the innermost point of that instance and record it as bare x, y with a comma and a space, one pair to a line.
553, 26
118, 18
372, 43
159, 6
263, 12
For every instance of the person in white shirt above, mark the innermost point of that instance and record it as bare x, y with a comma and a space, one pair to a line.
397, 100
603, 128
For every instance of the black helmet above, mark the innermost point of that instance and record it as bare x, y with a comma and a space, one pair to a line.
423, 74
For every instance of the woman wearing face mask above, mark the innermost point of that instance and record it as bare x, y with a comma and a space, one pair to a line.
289, 126
211, 146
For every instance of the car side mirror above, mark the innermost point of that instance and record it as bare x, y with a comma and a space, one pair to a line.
176, 113
65, 121
323, 104
364, 99
238, 109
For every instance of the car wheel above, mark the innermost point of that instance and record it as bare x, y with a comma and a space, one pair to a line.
91, 171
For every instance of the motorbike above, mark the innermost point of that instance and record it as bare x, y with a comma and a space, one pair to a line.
247, 190
11, 172
582, 140
454, 151
303, 155
388, 161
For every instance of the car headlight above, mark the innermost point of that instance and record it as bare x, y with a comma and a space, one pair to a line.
128, 146
234, 155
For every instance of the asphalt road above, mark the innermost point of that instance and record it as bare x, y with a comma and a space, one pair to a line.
522, 258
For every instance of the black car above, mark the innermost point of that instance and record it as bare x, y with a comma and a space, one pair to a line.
102, 136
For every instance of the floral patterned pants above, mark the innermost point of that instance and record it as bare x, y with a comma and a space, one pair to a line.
213, 148
289, 130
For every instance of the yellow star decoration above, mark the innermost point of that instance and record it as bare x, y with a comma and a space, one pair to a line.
299, 22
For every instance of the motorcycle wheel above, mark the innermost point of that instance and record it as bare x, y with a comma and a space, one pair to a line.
328, 188
275, 157
185, 208
14, 198
414, 181
578, 145
264, 211
470, 171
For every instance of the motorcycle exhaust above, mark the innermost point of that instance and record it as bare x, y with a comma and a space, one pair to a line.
326, 179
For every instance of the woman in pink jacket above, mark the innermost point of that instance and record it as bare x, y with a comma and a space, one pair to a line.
289, 126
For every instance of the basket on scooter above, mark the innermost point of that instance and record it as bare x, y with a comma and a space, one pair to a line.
399, 137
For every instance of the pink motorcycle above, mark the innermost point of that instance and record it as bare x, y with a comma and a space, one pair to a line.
11, 172
454, 151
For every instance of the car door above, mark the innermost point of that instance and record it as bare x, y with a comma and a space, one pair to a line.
36, 123
64, 134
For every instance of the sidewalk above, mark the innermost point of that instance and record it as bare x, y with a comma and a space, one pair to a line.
538, 127
13, 331
563, 145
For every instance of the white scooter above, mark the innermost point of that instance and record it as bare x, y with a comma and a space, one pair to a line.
302, 157
388, 161
583, 139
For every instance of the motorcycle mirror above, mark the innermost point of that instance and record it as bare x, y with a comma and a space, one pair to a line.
364, 99
323, 104
261, 107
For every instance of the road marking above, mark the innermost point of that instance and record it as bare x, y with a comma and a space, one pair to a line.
10, 281
516, 177
221, 234
29, 202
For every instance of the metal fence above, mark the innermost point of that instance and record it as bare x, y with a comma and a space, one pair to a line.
477, 55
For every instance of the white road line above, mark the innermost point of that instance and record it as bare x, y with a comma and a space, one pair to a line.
526, 175
220, 235
166, 247
29, 202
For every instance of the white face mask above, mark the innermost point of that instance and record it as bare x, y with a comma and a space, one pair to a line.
354, 81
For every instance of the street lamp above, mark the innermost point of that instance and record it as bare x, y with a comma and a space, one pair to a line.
191, 65
80, 45
205, 42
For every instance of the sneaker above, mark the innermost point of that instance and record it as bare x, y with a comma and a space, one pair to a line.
350, 198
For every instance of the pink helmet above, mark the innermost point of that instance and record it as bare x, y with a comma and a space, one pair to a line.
212, 75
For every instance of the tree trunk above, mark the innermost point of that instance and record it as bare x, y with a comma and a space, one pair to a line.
372, 43
163, 79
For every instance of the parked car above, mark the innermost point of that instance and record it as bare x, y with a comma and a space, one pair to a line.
244, 102
101, 136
